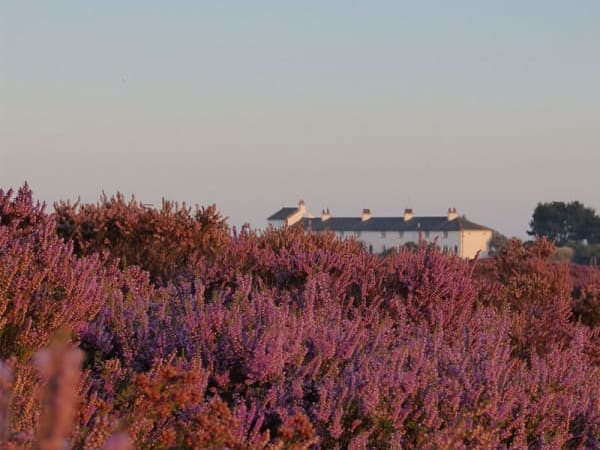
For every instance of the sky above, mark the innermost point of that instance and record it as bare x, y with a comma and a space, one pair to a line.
489, 107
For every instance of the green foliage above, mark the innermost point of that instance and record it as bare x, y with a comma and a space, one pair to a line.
587, 254
565, 222
498, 242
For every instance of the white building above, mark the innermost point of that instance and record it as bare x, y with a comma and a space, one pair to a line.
451, 232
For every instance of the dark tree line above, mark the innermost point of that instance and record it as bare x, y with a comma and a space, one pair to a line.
565, 223
571, 225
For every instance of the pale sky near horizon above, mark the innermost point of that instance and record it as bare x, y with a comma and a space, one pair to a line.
490, 107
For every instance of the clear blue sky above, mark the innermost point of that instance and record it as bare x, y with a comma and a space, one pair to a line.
486, 106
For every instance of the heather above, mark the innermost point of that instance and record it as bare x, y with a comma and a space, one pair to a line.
162, 241
126, 326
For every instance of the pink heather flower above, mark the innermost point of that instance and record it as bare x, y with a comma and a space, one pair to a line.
60, 366
5, 395
118, 441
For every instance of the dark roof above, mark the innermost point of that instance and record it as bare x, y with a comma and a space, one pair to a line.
440, 223
465, 224
283, 213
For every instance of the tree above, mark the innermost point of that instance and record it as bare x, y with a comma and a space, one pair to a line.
565, 222
498, 242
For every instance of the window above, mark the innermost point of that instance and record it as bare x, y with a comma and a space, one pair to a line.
445, 235
456, 249
383, 235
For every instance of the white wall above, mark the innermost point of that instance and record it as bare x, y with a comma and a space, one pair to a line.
380, 242
450, 242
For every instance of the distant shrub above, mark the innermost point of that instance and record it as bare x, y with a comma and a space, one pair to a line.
587, 254
162, 241
564, 254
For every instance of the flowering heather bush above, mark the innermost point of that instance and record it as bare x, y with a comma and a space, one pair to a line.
586, 294
43, 288
162, 241
43, 285
287, 340
19, 212
538, 292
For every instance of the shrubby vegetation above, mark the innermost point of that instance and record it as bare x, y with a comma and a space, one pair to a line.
572, 226
123, 326
161, 241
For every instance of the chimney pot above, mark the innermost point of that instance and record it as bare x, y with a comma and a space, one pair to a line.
452, 214
366, 214
325, 215
408, 214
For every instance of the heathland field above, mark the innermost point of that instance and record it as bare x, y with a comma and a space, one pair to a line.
126, 326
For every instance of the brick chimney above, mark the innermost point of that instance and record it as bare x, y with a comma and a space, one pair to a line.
452, 214
325, 215
366, 215
302, 206
408, 214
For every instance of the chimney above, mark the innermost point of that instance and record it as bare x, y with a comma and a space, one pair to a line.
302, 206
452, 214
408, 214
366, 215
325, 215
